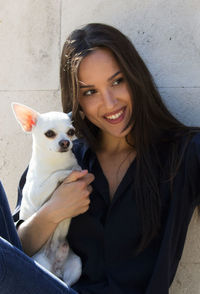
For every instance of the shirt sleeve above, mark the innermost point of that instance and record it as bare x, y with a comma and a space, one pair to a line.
22, 181
192, 168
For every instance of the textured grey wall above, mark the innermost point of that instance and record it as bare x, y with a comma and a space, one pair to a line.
166, 34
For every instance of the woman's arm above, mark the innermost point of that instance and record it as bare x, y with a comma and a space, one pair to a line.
35, 231
70, 199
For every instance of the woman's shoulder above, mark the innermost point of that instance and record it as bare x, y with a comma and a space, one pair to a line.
195, 138
191, 140
187, 138
178, 146
188, 151
193, 146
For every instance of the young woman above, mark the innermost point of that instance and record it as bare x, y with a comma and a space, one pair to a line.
132, 203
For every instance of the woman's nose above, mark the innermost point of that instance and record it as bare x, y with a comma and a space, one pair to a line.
109, 98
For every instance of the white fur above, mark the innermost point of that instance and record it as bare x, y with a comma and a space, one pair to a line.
48, 167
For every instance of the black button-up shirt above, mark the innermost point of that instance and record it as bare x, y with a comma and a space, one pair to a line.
106, 236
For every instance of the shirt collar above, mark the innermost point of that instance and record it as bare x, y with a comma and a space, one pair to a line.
83, 152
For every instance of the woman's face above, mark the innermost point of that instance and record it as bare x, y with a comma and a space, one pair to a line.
105, 96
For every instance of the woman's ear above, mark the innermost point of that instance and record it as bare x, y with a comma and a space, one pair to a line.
82, 114
25, 116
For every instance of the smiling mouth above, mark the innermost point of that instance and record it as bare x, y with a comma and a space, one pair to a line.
116, 117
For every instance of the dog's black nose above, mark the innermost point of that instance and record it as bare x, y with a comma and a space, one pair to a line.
64, 143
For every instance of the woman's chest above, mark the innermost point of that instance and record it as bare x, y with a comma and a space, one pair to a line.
113, 226
114, 175
114, 170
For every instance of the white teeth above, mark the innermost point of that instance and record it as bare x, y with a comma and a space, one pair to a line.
115, 116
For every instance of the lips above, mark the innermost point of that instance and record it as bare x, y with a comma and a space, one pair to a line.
116, 116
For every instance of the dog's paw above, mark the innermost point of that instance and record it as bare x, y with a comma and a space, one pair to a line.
61, 175
78, 168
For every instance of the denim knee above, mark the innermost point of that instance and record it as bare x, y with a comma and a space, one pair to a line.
7, 228
21, 275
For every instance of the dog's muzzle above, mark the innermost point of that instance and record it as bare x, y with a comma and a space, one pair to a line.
64, 145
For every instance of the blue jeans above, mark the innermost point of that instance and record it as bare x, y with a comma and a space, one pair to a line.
19, 274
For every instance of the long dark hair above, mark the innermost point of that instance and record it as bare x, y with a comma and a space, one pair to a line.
153, 123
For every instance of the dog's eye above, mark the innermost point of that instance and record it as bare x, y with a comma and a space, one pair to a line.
71, 132
50, 134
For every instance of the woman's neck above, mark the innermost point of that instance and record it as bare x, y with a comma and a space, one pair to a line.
114, 145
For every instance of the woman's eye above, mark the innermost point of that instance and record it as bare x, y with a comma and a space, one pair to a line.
118, 81
89, 92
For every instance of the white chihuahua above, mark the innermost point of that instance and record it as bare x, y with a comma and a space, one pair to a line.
52, 160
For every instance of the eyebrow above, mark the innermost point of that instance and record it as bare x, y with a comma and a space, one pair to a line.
109, 79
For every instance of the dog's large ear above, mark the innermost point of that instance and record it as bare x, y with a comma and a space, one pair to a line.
26, 116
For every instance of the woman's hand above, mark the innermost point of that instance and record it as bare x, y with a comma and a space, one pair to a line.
71, 198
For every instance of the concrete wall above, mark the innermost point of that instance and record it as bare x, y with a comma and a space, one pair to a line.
167, 35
